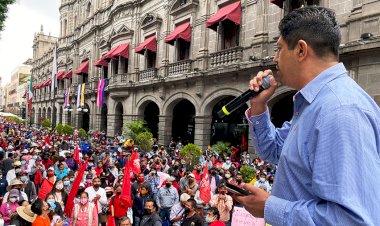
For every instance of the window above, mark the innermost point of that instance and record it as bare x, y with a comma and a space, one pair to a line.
295, 4
229, 34
150, 59
88, 10
84, 78
105, 72
115, 66
183, 49
125, 63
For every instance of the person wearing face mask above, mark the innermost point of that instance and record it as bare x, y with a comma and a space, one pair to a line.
97, 195
136, 185
197, 173
47, 162
154, 180
167, 197
192, 185
16, 184
117, 206
50, 175
190, 216
178, 209
9, 207
37, 171
227, 164
41, 208
66, 184
56, 212
223, 202
62, 171
262, 182
84, 213
28, 186
150, 217
213, 217
228, 178
215, 180
139, 202
60, 195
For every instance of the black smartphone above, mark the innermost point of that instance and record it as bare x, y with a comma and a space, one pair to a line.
236, 190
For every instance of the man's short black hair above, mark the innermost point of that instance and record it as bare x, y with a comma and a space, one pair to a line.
316, 25
193, 203
214, 212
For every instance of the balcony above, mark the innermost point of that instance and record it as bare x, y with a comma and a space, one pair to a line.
180, 67
226, 57
147, 74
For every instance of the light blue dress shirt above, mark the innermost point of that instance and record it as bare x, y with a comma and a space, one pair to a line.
327, 155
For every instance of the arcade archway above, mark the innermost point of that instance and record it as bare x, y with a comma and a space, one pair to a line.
282, 108
119, 118
183, 122
86, 118
103, 118
151, 113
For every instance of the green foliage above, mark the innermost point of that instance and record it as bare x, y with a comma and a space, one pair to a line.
133, 128
191, 154
59, 129
14, 119
82, 133
67, 129
144, 141
248, 173
222, 148
46, 123
3, 11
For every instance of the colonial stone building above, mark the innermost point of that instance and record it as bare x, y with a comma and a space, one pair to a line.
175, 63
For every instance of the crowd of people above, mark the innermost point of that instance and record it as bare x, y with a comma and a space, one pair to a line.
166, 191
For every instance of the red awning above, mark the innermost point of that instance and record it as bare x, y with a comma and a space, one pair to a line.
149, 43
47, 82
279, 3
122, 50
230, 12
60, 75
183, 31
101, 62
69, 74
83, 69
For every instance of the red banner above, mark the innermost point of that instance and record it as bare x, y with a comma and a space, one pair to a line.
205, 190
76, 154
134, 163
126, 189
45, 189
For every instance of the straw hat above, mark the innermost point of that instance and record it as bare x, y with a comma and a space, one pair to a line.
14, 182
26, 213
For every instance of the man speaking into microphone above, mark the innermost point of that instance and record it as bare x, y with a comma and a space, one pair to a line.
328, 154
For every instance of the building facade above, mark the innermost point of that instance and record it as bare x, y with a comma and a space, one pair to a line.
15, 91
175, 63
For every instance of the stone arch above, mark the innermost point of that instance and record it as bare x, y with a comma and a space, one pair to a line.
103, 117
281, 106
280, 93
175, 99
32, 116
119, 112
143, 102
43, 113
48, 114
86, 114
209, 102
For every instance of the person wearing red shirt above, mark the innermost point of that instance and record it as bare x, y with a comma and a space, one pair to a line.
47, 162
117, 206
213, 216
99, 169
197, 173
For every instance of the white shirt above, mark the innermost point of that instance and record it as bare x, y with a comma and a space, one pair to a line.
92, 193
11, 175
176, 210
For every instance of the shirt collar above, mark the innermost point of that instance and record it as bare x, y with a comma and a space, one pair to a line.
311, 90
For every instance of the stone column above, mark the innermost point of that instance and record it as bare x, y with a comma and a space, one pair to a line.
111, 119
202, 133
165, 128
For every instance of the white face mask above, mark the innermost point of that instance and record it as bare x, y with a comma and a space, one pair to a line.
59, 186
209, 219
13, 199
227, 176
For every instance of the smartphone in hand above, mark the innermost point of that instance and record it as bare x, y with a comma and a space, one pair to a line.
236, 190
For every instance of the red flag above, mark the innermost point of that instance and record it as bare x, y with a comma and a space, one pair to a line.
134, 163
45, 189
76, 154
126, 189
4, 143
243, 143
111, 221
205, 190
38, 177
47, 140
74, 190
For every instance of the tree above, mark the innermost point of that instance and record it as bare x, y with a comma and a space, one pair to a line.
82, 133
59, 129
134, 128
3, 11
222, 148
46, 123
248, 173
144, 141
191, 154
67, 129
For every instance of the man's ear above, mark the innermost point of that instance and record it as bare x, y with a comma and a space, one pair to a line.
302, 50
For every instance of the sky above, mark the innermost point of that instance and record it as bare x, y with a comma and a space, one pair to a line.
24, 19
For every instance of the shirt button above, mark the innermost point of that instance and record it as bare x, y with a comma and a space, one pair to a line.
297, 113
257, 122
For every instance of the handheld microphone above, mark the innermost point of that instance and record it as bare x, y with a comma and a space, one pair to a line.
240, 100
